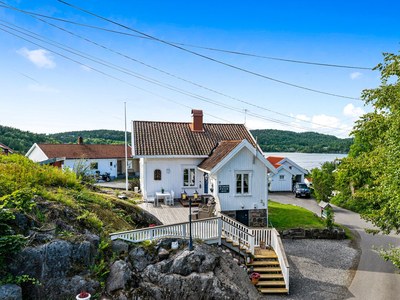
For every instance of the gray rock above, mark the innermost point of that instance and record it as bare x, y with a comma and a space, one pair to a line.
200, 274
140, 258
10, 292
118, 277
119, 247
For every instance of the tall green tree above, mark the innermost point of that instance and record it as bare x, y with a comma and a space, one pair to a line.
369, 178
323, 181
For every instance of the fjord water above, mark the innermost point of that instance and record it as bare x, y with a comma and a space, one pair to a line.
307, 161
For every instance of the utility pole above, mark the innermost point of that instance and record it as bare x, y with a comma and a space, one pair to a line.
126, 154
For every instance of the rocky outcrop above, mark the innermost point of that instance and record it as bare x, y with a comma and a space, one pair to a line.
301, 233
55, 265
204, 273
10, 292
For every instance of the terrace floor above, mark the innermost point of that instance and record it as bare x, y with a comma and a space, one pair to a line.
168, 214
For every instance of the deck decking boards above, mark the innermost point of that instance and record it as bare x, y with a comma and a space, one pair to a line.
168, 214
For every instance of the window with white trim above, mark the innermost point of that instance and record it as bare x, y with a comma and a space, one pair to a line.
189, 176
242, 183
281, 177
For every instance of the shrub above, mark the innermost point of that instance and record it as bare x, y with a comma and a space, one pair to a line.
134, 183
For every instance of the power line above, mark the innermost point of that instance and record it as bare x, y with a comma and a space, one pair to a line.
157, 69
145, 78
196, 46
187, 93
211, 59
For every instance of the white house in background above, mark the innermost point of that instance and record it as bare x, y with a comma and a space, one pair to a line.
104, 158
288, 173
221, 160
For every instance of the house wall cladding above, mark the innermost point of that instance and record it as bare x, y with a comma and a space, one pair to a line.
281, 185
243, 161
171, 175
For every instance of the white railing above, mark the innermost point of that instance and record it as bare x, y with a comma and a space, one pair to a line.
276, 244
261, 234
237, 232
205, 229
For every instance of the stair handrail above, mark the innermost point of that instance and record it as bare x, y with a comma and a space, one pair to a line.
277, 245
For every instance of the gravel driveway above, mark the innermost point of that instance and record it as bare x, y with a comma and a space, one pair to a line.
319, 269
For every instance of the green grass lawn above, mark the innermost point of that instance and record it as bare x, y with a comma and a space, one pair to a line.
286, 216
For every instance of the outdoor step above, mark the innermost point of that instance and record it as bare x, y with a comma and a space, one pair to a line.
272, 269
271, 276
264, 263
271, 255
274, 291
271, 283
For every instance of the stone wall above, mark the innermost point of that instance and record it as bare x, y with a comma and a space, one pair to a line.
258, 218
301, 233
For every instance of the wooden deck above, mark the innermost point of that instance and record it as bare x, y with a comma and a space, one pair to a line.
168, 214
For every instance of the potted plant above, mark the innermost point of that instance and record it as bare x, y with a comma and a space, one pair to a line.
83, 296
255, 277
162, 190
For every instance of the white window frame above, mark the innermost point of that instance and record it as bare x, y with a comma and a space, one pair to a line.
250, 175
194, 168
281, 177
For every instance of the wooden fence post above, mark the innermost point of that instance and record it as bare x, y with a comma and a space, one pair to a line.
219, 230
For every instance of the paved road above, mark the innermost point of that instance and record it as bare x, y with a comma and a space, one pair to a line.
375, 278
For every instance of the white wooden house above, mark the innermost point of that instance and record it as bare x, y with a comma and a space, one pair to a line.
104, 158
222, 160
288, 173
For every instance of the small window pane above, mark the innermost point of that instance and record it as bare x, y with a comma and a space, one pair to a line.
192, 177
185, 177
245, 183
238, 183
94, 165
281, 176
157, 174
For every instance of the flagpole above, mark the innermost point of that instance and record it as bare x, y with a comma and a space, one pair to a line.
126, 154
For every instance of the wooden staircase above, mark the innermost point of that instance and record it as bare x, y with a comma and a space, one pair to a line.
266, 263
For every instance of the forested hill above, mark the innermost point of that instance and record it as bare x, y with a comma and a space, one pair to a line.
101, 136
20, 141
271, 140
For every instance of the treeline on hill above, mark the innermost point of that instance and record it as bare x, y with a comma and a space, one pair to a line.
271, 140
101, 136
20, 141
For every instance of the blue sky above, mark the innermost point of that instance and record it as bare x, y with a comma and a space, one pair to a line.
41, 91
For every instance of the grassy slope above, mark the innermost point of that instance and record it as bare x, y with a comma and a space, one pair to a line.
286, 216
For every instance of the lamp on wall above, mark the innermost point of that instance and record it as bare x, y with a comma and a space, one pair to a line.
242, 205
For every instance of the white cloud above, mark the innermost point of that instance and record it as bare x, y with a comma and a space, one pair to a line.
42, 89
351, 111
40, 57
355, 75
324, 120
302, 118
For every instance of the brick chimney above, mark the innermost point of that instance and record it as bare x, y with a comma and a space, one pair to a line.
80, 140
197, 123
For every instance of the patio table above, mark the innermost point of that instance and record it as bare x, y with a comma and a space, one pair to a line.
162, 195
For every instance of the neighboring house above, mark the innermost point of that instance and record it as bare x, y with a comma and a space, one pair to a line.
105, 158
288, 173
222, 160
4, 150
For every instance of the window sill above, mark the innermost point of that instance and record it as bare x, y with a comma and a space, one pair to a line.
189, 187
242, 195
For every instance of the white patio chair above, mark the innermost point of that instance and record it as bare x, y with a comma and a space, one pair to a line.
167, 199
149, 198
172, 198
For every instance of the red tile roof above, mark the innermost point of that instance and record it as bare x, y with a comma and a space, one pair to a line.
6, 148
274, 160
170, 138
220, 152
73, 151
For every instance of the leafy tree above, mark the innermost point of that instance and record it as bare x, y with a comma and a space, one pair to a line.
323, 181
370, 176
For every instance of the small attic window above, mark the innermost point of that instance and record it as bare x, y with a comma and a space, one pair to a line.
290, 167
157, 174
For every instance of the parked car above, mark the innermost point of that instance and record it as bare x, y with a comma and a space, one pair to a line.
301, 190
